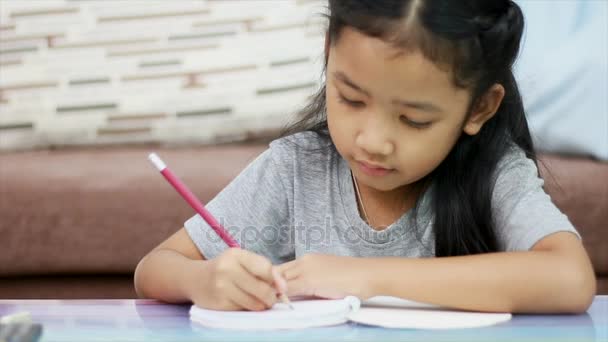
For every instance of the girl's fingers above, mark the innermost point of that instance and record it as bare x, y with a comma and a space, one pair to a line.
290, 273
286, 266
298, 287
255, 287
279, 280
257, 265
288, 270
244, 300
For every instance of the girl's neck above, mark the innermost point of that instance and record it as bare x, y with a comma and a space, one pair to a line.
384, 208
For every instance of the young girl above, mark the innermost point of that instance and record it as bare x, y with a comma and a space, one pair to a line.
411, 174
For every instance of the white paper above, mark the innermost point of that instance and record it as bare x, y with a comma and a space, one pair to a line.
306, 314
390, 312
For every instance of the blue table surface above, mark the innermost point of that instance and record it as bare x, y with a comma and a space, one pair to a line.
149, 320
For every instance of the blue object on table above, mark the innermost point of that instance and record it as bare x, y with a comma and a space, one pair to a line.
148, 320
20, 332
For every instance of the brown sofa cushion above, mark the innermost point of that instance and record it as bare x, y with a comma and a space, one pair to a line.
579, 187
109, 286
101, 210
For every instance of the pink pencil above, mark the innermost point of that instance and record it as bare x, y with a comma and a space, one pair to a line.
200, 209
192, 200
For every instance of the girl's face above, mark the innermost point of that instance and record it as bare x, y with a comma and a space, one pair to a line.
394, 118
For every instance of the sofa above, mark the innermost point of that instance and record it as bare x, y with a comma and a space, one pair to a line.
74, 222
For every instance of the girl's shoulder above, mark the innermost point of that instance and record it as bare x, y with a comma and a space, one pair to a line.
522, 210
515, 176
515, 164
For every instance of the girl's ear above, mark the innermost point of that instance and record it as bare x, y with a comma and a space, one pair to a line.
485, 109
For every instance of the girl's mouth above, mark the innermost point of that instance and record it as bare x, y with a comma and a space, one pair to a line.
373, 170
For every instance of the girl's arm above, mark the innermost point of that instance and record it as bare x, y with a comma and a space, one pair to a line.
555, 276
164, 273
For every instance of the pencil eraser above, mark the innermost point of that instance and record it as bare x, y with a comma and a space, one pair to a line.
158, 163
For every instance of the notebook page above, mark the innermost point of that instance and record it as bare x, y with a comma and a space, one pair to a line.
306, 313
391, 312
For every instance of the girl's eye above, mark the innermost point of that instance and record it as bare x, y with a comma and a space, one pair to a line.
414, 124
352, 103
404, 119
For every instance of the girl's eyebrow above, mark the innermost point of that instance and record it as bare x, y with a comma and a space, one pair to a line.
424, 106
342, 77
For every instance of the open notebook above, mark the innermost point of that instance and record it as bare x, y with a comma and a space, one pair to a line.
386, 312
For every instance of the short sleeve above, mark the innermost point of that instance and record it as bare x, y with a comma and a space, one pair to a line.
523, 212
254, 208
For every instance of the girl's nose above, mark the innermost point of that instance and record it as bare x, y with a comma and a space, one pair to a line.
374, 141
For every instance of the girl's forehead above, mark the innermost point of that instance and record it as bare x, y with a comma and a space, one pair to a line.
374, 62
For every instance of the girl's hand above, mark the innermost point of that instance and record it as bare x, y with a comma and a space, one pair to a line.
235, 280
326, 276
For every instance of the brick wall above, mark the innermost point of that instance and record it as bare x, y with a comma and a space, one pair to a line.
108, 72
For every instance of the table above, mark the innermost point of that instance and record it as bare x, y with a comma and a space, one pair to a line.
149, 320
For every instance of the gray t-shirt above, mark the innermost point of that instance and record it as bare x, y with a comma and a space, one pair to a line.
292, 200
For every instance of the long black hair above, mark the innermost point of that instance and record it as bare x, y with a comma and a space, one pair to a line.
478, 40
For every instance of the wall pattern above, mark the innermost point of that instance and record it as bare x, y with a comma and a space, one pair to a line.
172, 72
